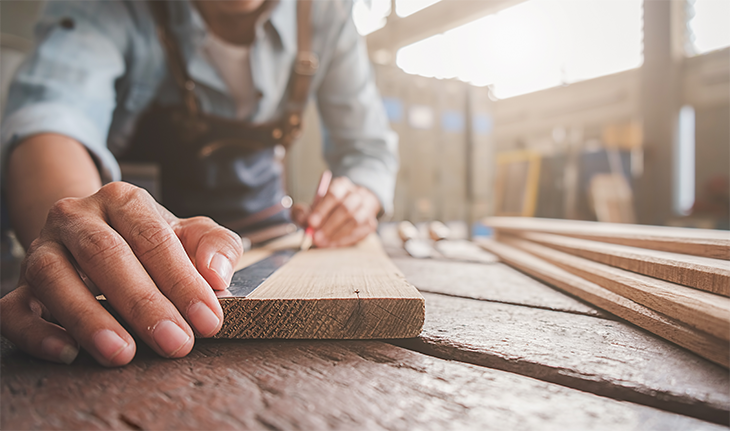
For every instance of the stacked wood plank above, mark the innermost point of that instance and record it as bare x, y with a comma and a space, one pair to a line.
673, 282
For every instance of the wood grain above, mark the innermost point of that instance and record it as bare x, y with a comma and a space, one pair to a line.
699, 242
288, 385
712, 275
606, 357
705, 345
495, 282
347, 293
703, 310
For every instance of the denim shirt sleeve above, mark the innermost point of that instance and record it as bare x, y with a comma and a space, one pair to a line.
358, 143
67, 84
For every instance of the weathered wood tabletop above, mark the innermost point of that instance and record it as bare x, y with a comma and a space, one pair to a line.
499, 350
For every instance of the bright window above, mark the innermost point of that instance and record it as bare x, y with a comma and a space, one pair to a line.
534, 45
403, 8
709, 24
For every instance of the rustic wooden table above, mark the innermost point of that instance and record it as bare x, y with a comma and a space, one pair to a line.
499, 350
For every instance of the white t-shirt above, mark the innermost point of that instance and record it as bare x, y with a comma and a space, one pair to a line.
233, 63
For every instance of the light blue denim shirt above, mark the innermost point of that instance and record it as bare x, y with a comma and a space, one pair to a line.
98, 65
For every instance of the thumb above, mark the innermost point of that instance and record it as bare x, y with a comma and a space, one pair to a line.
214, 250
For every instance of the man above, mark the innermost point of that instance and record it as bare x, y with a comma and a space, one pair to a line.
100, 84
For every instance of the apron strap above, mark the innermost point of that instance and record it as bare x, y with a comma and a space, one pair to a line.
175, 59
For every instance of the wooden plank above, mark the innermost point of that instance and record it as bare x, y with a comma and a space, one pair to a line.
703, 310
605, 357
497, 283
346, 293
699, 242
712, 275
703, 344
303, 385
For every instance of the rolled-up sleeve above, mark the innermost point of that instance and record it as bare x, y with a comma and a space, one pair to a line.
67, 83
358, 141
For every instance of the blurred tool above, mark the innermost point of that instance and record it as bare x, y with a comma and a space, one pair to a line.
457, 249
438, 231
416, 247
324, 185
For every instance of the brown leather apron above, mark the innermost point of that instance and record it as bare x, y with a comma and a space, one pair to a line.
214, 166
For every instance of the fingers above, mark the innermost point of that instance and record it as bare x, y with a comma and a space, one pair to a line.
355, 235
215, 249
102, 240
155, 270
339, 188
165, 265
341, 220
22, 322
345, 215
55, 282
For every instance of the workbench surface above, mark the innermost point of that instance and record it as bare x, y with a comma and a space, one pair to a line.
499, 350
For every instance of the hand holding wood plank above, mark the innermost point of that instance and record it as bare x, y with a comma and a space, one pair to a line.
157, 271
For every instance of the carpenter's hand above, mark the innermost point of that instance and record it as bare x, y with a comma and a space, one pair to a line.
156, 270
344, 216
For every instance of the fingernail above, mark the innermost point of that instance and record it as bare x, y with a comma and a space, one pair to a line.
57, 348
170, 337
314, 220
109, 344
222, 266
203, 319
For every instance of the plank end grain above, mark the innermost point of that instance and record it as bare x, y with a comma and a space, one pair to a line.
699, 242
347, 293
701, 343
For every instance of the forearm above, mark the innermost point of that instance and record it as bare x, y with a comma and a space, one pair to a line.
41, 170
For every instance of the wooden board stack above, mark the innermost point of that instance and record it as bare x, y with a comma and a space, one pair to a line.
673, 282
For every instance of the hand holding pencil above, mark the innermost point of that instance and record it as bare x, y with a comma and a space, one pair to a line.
342, 213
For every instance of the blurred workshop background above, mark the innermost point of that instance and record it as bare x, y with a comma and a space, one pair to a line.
609, 110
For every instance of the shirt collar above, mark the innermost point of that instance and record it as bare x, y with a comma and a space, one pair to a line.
282, 16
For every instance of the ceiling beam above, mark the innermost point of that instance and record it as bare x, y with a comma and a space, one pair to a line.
435, 19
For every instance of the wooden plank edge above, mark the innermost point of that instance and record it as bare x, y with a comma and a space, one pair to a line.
701, 343
669, 402
702, 310
711, 275
338, 318
698, 242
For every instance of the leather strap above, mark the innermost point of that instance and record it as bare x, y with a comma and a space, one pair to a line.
175, 59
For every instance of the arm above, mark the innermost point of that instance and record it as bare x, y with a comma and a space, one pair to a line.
62, 168
359, 147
